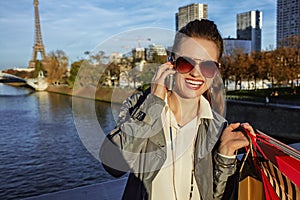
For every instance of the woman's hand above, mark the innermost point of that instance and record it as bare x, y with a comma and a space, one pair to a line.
158, 87
232, 140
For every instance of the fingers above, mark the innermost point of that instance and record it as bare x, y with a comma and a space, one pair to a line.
240, 141
248, 127
233, 139
158, 87
234, 126
162, 72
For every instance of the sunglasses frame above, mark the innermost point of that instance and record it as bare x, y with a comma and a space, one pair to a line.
194, 62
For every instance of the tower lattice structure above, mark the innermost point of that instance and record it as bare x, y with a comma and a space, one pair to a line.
38, 46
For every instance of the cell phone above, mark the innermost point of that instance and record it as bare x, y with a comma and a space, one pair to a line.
170, 82
170, 78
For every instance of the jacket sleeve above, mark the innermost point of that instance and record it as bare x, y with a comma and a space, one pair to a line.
223, 168
121, 148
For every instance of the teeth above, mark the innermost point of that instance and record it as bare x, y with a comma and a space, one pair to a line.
194, 82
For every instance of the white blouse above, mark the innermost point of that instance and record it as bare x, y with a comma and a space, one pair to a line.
173, 181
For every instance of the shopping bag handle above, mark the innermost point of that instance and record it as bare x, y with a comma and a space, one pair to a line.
253, 146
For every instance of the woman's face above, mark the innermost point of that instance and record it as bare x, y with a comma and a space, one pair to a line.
193, 84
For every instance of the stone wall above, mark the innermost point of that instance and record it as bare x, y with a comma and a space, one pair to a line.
282, 122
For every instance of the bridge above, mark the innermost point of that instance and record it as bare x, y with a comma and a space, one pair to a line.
9, 78
38, 83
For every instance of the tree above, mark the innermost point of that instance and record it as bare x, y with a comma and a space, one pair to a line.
255, 70
148, 72
57, 66
38, 68
158, 59
239, 66
226, 65
75, 66
98, 57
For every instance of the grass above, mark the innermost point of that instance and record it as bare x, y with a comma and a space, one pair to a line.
282, 92
276, 95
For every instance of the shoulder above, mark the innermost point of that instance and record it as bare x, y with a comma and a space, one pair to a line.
136, 99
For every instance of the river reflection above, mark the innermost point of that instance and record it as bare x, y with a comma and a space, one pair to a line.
6, 90
41, 151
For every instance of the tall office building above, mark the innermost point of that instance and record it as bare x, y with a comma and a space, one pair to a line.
231, 44
189, 13
288, 19
249, 25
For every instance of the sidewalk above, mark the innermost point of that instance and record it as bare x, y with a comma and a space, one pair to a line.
275, 105
111, 190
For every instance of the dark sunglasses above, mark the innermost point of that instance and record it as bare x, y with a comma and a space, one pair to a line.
208, 68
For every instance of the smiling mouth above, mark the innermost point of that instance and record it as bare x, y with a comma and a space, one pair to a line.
194, 83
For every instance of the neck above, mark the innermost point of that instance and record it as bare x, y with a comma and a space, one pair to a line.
184, 109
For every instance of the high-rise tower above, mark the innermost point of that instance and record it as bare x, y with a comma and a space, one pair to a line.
288, 20
38, 46
249, 26
189, 13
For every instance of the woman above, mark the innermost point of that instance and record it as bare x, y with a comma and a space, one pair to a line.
175, 145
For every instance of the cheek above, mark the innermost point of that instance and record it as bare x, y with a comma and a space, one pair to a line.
178, 83
179, 80
208, 82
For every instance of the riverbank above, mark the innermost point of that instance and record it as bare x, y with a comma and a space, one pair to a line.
280, 121
283, 95
113, 95
118, 95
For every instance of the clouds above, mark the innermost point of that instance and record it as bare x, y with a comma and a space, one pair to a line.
80, 25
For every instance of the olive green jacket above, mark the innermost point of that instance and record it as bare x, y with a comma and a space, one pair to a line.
138, 145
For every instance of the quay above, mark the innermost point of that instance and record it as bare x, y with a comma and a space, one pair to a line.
270, 105
280, 121
110, 190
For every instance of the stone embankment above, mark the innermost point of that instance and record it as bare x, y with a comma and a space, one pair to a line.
114, 95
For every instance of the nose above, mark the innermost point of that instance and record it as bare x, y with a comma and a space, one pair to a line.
195, 71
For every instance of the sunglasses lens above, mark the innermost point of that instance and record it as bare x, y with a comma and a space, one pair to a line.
183, 66
208, 68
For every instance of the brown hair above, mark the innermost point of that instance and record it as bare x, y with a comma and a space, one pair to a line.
203, 28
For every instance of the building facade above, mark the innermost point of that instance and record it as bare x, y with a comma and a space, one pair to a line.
249, 27
155, 49
288, 20
230, 45
189, 13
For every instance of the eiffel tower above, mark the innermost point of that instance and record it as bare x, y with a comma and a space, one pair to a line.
38, 46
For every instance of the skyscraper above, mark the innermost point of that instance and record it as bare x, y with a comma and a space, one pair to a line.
288, 19
249, 25
190, 12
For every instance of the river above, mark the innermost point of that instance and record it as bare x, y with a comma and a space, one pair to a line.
40, 150
42, 137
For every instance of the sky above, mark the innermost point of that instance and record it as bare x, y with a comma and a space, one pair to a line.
77, 26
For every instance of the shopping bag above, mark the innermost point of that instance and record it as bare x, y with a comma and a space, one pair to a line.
246, 183
281, 171
270, 171
250, 184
